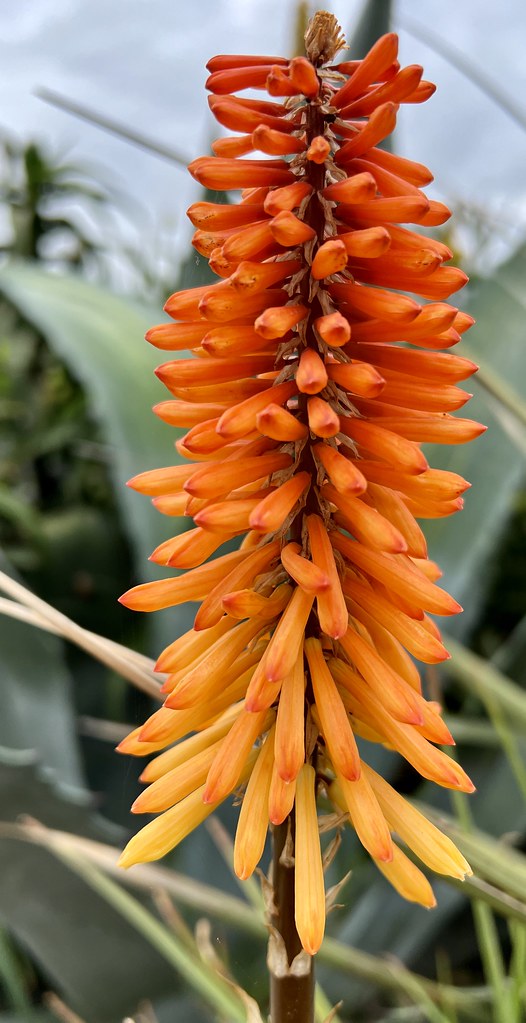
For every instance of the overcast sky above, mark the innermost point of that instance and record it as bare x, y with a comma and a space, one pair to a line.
142, 62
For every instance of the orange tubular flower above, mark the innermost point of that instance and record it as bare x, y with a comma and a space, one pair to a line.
314, 381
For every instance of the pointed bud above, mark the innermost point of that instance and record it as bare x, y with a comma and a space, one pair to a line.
334, 329
311, 374
319, 150
330, 258
323, 420
288, 230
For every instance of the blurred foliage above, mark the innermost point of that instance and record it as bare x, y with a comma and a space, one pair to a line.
49, 202
75, 394
375, 19
57, 507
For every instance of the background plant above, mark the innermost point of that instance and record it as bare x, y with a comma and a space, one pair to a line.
77, 536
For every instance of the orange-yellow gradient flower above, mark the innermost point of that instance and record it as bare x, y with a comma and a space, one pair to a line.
314, 381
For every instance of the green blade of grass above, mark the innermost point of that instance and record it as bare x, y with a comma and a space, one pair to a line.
208, 984
323, 1007
503, 699
12, 978
472, 731
486, 930
389, 976
507, 404
494, 861
508, 742
487, 682
500, 902
518, 969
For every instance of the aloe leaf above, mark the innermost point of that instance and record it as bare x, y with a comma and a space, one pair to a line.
391, 977
36, 697
12, 977
99, 337
465, 544
71, 931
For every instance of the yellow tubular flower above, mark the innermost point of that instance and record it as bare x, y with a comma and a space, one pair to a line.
319, 364
309, 886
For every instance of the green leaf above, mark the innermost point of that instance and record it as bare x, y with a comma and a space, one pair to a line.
464, 544
38, 1016
99, 337
494, 860
409, 929
12, 977
35, 693
480, 677
82, 567
83, 947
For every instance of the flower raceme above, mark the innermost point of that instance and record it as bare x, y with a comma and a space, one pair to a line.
313, 382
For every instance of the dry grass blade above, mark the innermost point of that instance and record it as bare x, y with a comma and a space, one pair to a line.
60, 1009
144, 877
134, 667
388, 976
211, 987
106, 731
122, 131
225, 846
467, 67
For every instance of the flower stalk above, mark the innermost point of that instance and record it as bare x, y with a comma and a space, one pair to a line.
291, 969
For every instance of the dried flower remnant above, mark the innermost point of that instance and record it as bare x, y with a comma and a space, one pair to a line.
314, 381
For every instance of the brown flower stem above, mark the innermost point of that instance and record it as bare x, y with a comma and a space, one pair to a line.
291, 994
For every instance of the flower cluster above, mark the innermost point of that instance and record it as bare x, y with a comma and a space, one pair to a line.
314, 381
